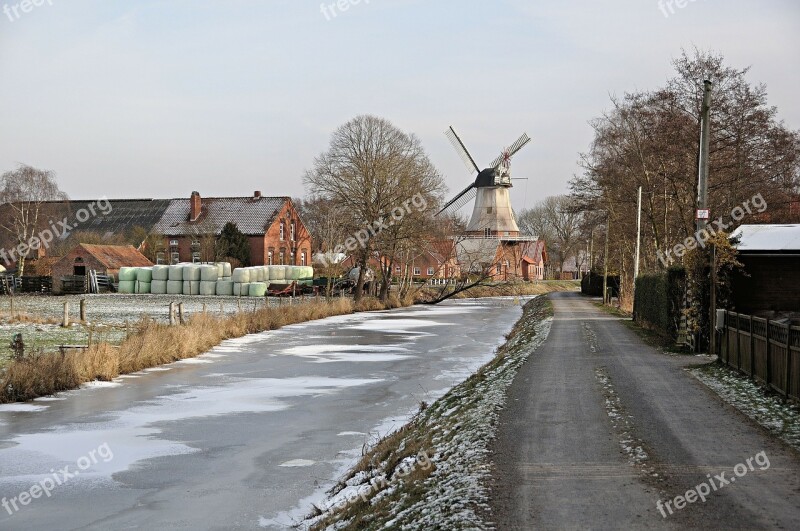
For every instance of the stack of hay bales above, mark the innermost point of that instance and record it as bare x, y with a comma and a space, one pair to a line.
175, 280
186, 279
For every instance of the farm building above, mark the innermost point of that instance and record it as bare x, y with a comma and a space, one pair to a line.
272, 225
104, 259
769, 281
189, 226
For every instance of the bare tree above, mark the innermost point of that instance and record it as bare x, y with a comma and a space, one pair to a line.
370, 170
558, 222
25, 191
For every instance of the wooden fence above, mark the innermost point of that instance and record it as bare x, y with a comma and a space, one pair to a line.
765, 350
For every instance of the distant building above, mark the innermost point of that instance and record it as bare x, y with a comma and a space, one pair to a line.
771, 258
189, 226
104, 259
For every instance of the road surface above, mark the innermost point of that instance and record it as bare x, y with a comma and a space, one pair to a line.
561, 463
247, 435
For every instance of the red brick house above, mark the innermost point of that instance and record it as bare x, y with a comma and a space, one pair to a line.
273, 226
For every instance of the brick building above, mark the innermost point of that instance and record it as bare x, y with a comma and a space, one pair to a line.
104, 259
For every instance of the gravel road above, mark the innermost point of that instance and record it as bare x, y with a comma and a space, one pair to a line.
599, 427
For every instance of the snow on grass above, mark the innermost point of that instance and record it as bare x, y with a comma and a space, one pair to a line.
432, 472
772, 412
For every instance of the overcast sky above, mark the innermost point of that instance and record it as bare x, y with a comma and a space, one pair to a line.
159, 98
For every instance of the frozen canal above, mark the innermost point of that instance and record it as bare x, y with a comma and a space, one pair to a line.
247, 435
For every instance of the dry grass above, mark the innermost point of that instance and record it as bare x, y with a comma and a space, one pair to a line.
154, 344
24, 317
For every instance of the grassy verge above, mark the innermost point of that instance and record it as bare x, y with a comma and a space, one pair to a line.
782, 419
430, 474
151, 344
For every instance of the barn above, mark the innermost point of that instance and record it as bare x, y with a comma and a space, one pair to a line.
104, 259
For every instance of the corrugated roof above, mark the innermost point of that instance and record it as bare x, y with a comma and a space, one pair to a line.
252, 215
116, 256
762, 238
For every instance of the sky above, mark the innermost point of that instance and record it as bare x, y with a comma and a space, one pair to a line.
149, 98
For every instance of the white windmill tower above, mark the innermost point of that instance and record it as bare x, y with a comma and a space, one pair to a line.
492, 215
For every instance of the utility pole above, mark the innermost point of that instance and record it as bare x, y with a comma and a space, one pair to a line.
702, 213
638, 240
605, 259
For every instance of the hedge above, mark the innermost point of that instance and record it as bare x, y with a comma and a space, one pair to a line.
659, 299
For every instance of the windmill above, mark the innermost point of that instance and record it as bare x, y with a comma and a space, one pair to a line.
492, 215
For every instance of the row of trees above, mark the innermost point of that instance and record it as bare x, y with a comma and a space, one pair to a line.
651, 139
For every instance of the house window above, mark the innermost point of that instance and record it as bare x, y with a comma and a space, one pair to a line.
291, 258
173, 243
283, 257
269, 258
499, 269
488, 210
176, 257
487, 232
292, 230
196, 257
303, 258
161, 257
417, 271
195, 242
283, 235
431, 271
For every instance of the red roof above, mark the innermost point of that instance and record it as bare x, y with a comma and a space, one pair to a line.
116, 256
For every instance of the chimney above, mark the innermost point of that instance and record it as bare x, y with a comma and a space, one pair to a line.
257, 194
195, 205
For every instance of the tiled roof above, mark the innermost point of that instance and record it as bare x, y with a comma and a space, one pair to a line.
124, 215
252, 215
116, 256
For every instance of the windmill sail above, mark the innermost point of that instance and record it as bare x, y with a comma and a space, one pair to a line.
466, 195
512, 149
469, 162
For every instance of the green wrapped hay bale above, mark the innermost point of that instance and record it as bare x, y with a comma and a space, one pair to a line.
257, 289
244, 289
225, 287
277, 272
241, 275
175, 273
209, 273
126, 286
158, 287
142, 287
160, 272
191, 272
127, 274
226, 269
191, 287
174, 287
208, 287
144, 274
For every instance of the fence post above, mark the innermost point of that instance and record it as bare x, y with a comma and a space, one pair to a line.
738, 342
65, 322
172, 314
769, 355
83, 310
204, 308
752, 348
12, 305
180, 313
788, 359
